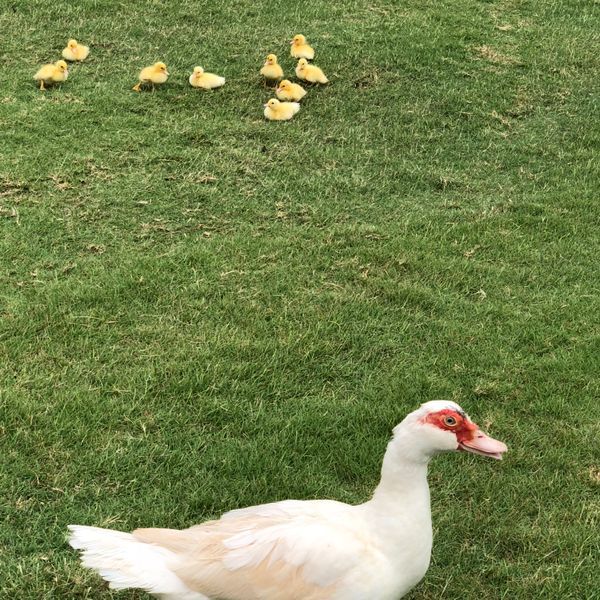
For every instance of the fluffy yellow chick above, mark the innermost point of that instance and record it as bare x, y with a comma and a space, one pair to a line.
157, 73
75, 51
310, 73
206, 81
300, 48
290, 92
280, 111
52, 73
272, 69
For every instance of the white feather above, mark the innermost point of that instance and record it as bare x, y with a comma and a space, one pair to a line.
125, 562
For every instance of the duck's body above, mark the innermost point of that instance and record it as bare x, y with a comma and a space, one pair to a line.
291, 550
300, 48
290, 92
154, 75
310, 73
354, 564
272, 70
52, 73
75, 52
207, 81
280, 111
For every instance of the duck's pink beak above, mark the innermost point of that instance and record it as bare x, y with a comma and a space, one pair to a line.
483, 444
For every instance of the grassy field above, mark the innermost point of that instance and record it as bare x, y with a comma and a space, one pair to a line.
201, 310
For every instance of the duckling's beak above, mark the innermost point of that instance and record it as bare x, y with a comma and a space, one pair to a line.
265, 105
292, 43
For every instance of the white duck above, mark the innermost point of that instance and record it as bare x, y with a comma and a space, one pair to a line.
300, 550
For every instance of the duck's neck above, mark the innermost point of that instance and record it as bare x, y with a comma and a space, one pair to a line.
399, 515
403, 486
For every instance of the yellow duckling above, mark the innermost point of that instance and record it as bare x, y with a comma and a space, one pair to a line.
301, 48
206, 81
75, 51
310, 73
290, 92
157, 73
280, 111
52, 73
272, 69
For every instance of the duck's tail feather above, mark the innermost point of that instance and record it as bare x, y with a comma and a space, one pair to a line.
126, 562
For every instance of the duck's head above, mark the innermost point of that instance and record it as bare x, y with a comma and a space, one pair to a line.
302, 63
271, 59
161, 67
198, 71
442, 426
284, 85
273, 103
62, 66
72, 44
298, 40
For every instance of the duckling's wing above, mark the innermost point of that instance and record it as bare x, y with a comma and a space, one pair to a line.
44, 72
146, 74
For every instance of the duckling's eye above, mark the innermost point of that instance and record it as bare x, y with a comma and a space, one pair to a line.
449, 421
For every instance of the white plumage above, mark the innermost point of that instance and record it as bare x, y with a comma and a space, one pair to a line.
300, 550
126, 562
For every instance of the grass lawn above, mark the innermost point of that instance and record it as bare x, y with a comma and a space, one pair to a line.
201, 310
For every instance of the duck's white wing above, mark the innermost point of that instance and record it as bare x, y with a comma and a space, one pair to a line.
290, 509
283, 551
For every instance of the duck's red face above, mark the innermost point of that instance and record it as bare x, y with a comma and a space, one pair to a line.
468, 436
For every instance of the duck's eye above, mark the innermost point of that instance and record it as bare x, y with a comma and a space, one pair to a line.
449, 421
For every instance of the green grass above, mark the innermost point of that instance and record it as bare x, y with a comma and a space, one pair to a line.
201, 310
